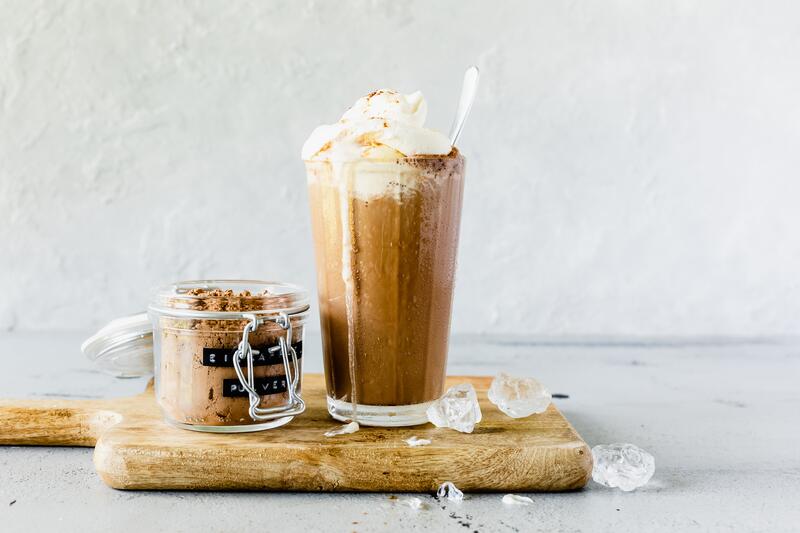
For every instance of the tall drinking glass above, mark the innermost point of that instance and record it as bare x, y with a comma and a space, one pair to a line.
385, 237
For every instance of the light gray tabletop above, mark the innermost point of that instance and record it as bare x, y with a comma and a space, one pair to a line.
720, 417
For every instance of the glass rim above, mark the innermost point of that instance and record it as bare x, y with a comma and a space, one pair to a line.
455, 154
267, 298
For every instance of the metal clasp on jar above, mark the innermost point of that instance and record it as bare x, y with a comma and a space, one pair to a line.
295, 405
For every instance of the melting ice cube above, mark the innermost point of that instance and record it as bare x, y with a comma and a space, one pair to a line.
622, 465
515, 499
412, 502
457, 409
449, 491
414, 441
352, 427
518, 397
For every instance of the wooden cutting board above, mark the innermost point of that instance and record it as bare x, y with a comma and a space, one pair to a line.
135, 449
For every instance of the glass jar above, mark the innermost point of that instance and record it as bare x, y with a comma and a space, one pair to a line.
226, 354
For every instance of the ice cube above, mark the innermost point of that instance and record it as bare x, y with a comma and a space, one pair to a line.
518, 397
344, 429
414, 441
515, 499
457, 409
413, 503
449, 491
622, 465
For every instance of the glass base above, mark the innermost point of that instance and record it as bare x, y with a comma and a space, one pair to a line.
244, 428
380, 415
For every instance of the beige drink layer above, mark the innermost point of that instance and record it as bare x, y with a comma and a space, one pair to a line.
402, 233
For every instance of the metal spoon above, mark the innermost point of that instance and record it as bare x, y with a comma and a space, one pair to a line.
468, 90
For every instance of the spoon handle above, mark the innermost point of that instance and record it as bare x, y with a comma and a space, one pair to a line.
468, 90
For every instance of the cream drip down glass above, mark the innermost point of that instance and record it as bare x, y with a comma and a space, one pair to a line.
385, 196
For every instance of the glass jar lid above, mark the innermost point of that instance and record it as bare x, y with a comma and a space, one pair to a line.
124, 347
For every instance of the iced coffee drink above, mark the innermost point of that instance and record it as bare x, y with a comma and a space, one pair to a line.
385, 197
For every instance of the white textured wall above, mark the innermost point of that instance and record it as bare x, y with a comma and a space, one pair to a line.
633, 165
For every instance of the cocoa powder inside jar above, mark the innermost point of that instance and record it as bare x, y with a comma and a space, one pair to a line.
196, 382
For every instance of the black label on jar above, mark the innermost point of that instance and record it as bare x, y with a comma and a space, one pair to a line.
262, 356
231, 388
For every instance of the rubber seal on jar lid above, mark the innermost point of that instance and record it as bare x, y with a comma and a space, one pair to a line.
124, 347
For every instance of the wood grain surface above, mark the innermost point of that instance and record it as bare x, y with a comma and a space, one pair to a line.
135, 449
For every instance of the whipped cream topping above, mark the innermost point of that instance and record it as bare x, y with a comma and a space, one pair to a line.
384, 125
